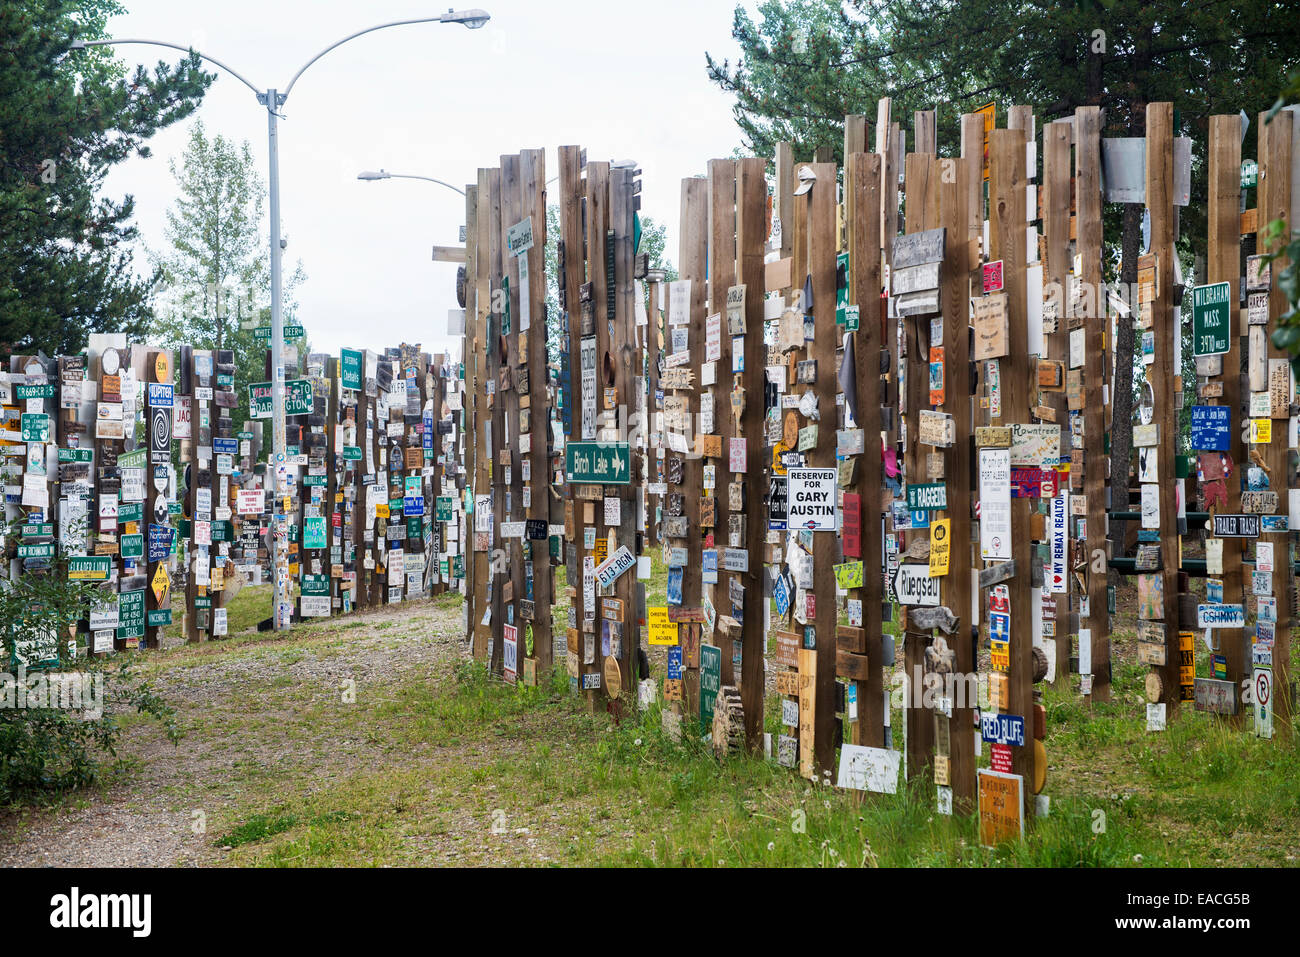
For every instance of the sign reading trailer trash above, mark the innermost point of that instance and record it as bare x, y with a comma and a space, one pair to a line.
810, 502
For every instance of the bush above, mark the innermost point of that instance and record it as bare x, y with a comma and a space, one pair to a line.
46, 749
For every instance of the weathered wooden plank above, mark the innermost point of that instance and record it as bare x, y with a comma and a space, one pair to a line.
722, 275
1223, 260
1007, 243
862, 177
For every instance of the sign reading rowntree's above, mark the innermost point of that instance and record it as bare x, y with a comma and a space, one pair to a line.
297, 398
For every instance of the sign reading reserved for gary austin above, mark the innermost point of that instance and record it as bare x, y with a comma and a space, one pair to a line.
810, 499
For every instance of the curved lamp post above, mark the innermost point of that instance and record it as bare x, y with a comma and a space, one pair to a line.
272, 99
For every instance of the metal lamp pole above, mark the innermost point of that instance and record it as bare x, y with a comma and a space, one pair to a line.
272, 100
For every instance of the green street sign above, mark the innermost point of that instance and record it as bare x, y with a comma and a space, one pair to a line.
36, 551
244, 435
1249, 173
350, 361
297, 398
133, 546
927, 496
130, 512
34, 391
310, 480
352, 453
36, 427
710, 682
159, 616
444, 503
1211, 319
74, 455
38, 530
290, 332
315, 584
130, 614
135, 459
225, 381
313, 532
852, 318
598, 463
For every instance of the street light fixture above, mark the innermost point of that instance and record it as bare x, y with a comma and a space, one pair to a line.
272, 100
370, 175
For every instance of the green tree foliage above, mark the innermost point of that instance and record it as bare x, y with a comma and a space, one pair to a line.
66, 118
45, 745
216, 286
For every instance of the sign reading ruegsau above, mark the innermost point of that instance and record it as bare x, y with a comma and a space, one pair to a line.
598, 463
914, 586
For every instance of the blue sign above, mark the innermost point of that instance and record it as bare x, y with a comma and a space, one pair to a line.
428, 430
782, 595
225, 446
709, 575
999, 626
413, 505
160, 395
1210, 425
160, 542
1214, 591
675, 663
1002, 728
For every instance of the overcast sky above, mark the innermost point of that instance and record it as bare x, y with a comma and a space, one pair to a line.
625, 80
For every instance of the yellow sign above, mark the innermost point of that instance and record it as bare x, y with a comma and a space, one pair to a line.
662, 631
162, 583
381, 510
940, 546
162, 368
777, 451
1001, 802
989, 112
1261, 431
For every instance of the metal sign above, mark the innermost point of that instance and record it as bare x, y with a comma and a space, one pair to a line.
914, 586
810, 500
1211, 319
297, 398
599, 463
1236, 526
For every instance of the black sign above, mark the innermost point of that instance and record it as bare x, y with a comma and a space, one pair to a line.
536, 529
1236, 526
160, 434
776, 503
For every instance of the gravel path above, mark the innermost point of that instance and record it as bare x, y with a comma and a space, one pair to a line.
146, 813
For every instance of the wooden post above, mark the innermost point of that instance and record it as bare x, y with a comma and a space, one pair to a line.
783, 196
1161, 374
1007, 243
693, 247
490, 229
921, 201
950, 176
471, 352
571, 235
627, 367
862, 195
1275, 186
1096, 365
533, 174
820, 206
511, 458
1223, 264
751, 239
598, 223
1056, 271
722, 275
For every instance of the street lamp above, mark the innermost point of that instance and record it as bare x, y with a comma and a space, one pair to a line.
272, 99
370, 175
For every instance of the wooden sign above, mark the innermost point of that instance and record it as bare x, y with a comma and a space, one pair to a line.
993, 436
1001, 807
787, 648
936, 429
990, 327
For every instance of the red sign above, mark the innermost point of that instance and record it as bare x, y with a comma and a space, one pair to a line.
852, 541
993, 277
1033, 483
1001, 757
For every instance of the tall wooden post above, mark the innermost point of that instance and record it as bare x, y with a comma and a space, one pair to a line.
1007, 243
